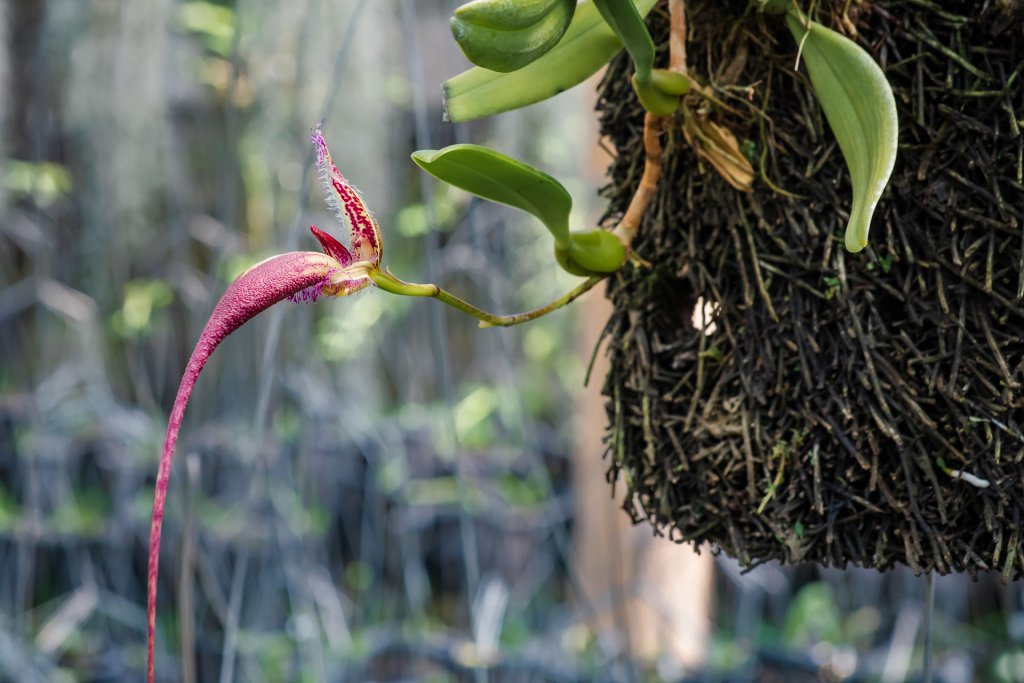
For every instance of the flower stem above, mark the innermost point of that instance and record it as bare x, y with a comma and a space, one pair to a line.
389, 283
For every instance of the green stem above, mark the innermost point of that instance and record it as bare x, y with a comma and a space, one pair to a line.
389, 283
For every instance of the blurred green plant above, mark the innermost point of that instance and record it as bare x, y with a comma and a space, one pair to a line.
84, 514
411, 220
142, 299
813, 616
358, 576
43, 182
523, 492
10, 512
472, 416
1008, 666
214, 23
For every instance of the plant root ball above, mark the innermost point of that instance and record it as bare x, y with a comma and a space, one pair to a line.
782, 399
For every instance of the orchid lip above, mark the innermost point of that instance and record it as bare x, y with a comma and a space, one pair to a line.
257, 289
364, 233
296, 276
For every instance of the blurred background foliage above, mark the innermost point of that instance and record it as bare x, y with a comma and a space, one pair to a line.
367, 489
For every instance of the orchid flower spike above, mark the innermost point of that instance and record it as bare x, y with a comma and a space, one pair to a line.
302, 276
297, 276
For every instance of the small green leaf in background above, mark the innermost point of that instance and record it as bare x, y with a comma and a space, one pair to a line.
214, 23
43, 181
1008, 666
142, 298
499, 178
10, 512
472, 417
82, 514
813, 617
861, 110
358, 576
629, 26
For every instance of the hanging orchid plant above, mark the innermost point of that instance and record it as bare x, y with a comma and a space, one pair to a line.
527, 52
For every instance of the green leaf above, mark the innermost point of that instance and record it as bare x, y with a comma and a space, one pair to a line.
861, 110
499, 178
629, 26
504, 15
527, 34
588, 44
771, 6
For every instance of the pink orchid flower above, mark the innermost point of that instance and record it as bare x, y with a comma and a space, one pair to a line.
302, 276
297, 276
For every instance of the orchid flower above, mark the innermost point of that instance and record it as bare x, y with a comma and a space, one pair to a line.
297, 276
300, 276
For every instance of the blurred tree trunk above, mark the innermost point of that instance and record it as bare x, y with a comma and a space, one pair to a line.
6, 97
652, 596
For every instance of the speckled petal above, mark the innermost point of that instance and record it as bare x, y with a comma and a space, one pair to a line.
348, 204
254, 291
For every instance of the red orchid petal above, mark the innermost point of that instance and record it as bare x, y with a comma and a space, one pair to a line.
332, 247
346, 200
254, 291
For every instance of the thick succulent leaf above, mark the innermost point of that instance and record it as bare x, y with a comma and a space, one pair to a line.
499, 178
255, 290
588, 44
629, 26
861, 110
505, 14
506, 47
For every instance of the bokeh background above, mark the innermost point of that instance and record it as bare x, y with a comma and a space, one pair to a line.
367, 489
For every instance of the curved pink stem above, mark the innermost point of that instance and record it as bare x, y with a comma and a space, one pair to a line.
255, 290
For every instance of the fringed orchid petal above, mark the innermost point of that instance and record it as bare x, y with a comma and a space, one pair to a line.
345, 199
